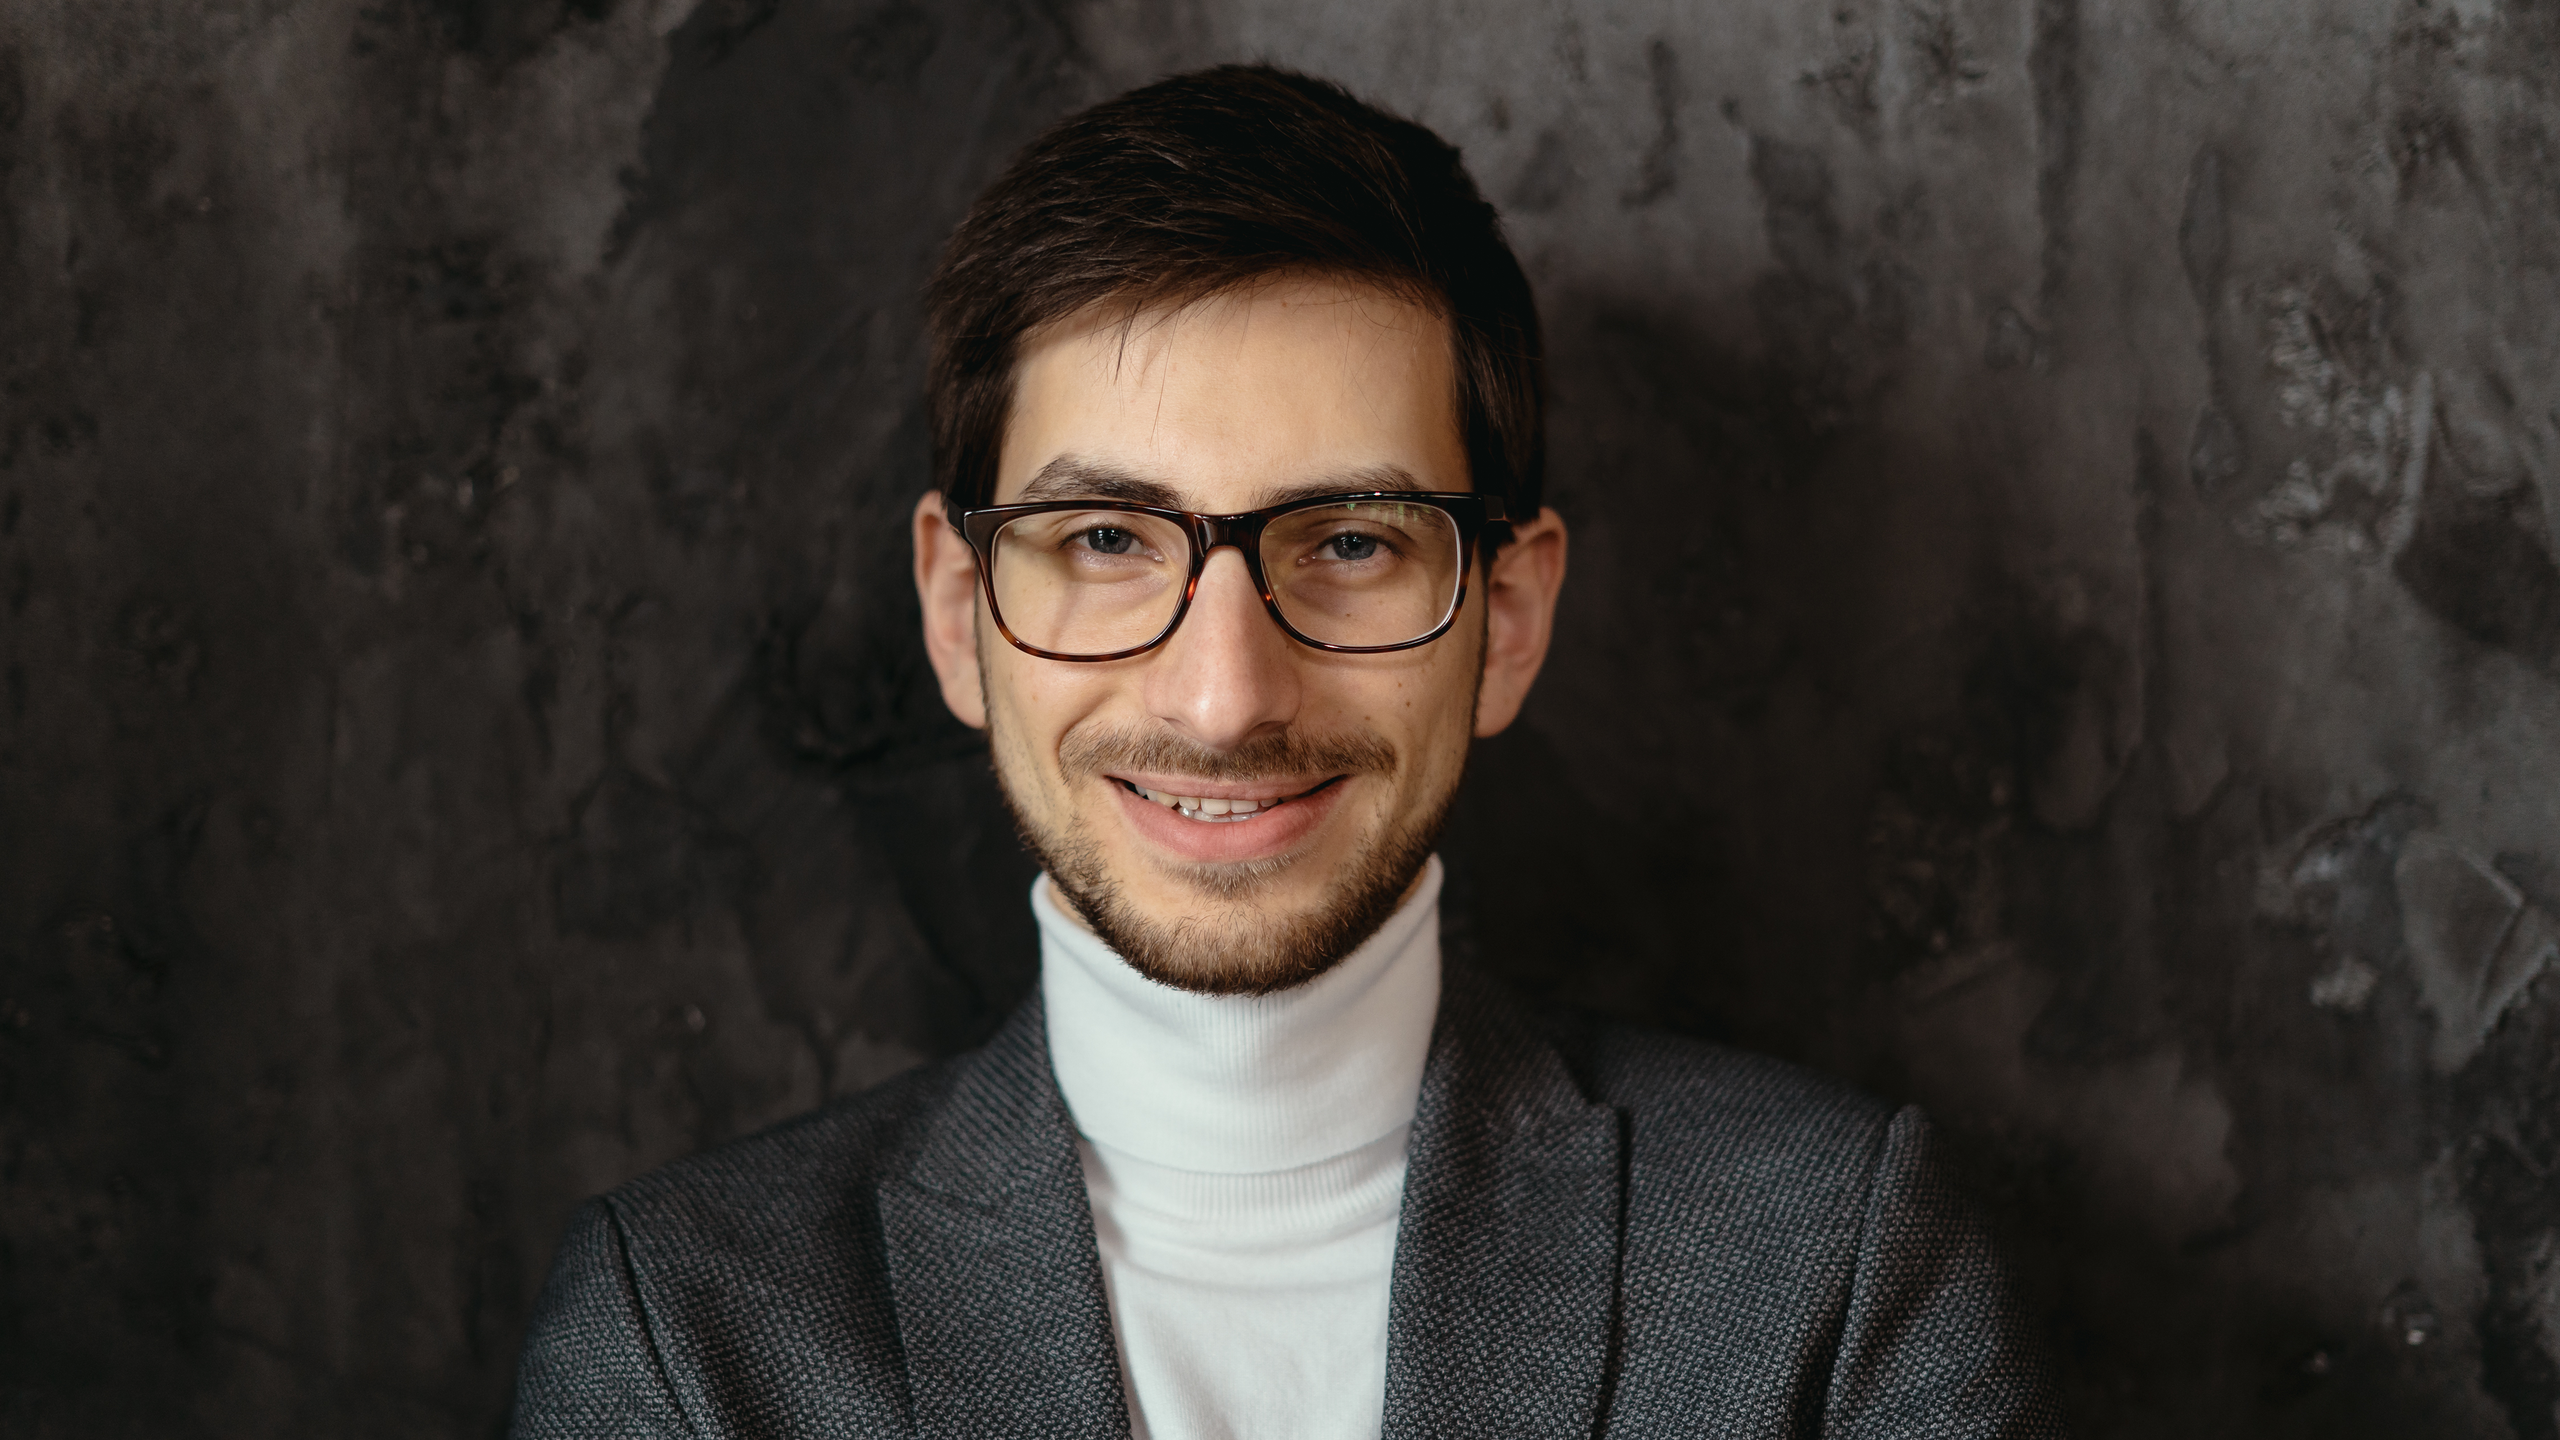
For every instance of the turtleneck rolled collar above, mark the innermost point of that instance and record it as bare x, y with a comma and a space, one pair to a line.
1242, 1084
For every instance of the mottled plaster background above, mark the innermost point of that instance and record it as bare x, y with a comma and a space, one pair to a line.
2063, 627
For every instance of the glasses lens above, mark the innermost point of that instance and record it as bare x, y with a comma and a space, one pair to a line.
1089, 582
1363, 572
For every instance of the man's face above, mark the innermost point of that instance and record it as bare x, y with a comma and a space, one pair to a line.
1341, 765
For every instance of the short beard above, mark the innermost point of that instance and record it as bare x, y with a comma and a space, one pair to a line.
1232, 956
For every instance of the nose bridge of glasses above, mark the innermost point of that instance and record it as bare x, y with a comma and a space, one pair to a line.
1218, 532
1248, 571
1240, 533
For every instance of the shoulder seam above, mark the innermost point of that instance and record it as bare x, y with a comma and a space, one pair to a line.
1869, 1222
1859, 1254
644, 1314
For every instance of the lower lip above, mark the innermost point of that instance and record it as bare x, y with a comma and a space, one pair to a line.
1268, 834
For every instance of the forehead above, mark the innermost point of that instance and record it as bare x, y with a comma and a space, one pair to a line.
1232, 401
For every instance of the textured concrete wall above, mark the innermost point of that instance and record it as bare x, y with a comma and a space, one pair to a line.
2090, 666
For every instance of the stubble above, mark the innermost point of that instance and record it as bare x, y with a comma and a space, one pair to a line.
1249, 950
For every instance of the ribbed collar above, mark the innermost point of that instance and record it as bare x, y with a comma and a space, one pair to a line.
1242, 1084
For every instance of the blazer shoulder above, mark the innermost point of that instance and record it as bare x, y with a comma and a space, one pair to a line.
1711, 1097
700, 1288
780, 1179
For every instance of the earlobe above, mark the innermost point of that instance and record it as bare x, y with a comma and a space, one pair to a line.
1521, 586
947, 592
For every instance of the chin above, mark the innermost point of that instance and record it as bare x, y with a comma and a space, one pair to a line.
1262, 886
1245, 928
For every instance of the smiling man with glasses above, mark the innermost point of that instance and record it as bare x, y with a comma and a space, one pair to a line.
1237, 544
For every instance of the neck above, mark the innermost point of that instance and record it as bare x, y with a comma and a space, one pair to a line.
1242, 1084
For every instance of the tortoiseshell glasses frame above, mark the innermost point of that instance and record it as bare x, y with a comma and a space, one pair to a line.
1468, 515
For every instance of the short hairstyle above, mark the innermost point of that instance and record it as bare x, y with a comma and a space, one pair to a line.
1209, 181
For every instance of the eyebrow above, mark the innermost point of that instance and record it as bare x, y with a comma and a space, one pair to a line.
1072, 477
1348, 482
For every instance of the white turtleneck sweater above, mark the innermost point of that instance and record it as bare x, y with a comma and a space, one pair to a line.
1245, 1158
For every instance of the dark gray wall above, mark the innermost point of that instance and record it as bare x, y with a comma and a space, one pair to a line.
2089, 664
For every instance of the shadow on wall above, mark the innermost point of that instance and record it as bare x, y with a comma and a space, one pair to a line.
1857, 767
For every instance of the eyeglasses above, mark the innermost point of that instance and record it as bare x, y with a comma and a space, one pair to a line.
1355, 574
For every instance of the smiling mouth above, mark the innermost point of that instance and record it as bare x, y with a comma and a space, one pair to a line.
1212, 810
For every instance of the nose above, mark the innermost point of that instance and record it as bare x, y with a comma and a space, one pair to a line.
1227, 674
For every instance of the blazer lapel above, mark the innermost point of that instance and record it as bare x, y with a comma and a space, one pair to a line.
1001, 1308
1501, 1318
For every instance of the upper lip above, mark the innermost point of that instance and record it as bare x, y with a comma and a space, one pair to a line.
1274, 789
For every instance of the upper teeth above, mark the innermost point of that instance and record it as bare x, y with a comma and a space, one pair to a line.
1205, 805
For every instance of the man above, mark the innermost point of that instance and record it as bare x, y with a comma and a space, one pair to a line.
1237, 543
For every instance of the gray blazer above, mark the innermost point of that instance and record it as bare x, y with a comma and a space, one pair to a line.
1605, 1233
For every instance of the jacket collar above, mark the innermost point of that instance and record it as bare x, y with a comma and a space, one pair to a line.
1506, 1267
1507, 1253
1001, 1310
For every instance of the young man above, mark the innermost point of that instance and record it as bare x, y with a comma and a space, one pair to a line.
1237, 544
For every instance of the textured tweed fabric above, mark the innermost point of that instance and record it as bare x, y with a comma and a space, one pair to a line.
1605, 1233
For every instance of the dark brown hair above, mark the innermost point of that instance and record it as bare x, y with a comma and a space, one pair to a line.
1208, 181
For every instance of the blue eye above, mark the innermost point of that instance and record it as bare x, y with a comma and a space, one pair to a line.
1109, 541
1353, 547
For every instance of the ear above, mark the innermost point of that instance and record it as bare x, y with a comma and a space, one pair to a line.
947, 584
1520, 618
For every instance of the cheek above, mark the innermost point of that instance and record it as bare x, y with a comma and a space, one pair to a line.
1014, 725
1429, 711
1032, 704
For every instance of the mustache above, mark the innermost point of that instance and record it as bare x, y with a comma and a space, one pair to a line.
1288, 753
